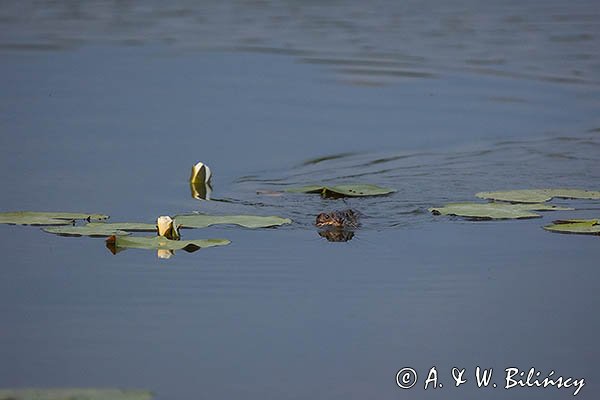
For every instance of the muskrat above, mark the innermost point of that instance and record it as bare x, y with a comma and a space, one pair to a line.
338, 219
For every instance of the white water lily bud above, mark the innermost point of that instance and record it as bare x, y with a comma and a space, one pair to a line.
164, 254
165, 225
201, 174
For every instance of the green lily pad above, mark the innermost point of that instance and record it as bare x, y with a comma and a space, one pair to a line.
358, 190
162, 243
46, 218
539, 195
580, 226
487, 211
125, 226
84, 230
246, 221
101, 229
74, 394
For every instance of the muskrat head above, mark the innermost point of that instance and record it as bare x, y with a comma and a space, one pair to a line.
338, 219
327, 219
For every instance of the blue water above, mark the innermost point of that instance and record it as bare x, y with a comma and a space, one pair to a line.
105, 107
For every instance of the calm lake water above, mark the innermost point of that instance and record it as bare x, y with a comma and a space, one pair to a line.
106, 105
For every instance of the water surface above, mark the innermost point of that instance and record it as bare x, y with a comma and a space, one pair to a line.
106, 105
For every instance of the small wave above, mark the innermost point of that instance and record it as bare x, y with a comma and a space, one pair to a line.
424, 179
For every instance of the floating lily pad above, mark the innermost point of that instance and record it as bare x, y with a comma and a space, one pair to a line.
358, 190
247, 221
85, 230
162, 243
46, 218
74, 394
101, 229
539, 195
487, 211
125, 226
580, 226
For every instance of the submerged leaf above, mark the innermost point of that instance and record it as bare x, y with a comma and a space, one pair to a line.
580, 226
125, 226
46, 218
162, 243
486, 211
247, 221
102, 229
539, 195
74, 394
358, 190
99, 230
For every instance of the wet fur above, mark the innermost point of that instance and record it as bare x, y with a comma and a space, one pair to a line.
338, 219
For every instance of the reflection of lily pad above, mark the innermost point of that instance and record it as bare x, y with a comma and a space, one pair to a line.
162, 243
486, 211
46, 218
100, 229
581, 226
247, 221
539, 195
74, 394
358, 190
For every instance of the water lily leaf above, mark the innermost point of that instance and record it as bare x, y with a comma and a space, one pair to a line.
125, 226
486, 211
358, 190
85, 230
539, 195
46, 218
101, 229
162, 243
581, 226
246, 221
74, 394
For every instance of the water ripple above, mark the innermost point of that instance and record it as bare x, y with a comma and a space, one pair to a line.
423, 179
359, 43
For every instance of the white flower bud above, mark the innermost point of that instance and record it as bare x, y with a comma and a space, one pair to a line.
165, 225
201, 174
